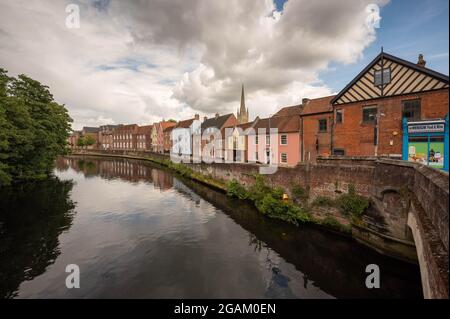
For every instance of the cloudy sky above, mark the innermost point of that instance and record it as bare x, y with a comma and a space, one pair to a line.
140, 61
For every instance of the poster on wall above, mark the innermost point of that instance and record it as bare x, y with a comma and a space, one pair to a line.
417, 151
436, 153
428, 154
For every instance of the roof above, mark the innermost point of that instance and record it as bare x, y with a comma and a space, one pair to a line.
127, 127
244, 126
217, 122
424, 70
289, 110
147, 129
284, 124
88, 129
167, 124
168, 129
185, 123
320, 105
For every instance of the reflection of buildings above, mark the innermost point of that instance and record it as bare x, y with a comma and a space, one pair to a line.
129, 170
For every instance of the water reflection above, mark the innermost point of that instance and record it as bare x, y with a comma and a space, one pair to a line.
31, 219
141, 232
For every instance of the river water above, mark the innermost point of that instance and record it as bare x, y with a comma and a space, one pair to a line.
138, 231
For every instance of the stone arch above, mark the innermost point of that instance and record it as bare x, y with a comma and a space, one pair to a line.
395, 206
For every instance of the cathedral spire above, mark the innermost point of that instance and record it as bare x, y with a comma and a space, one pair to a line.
242, 114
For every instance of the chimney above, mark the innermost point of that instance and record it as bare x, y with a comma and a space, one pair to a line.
197, 117
205, 118
305, 101
421, 62
217, 115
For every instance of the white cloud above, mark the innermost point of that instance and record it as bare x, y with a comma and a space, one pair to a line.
141, 61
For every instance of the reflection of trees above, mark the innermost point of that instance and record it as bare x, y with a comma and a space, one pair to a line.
31, 219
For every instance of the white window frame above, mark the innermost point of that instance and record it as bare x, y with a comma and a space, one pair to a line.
281, 139
281, 158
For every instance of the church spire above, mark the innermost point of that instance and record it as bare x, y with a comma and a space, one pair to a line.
242, 114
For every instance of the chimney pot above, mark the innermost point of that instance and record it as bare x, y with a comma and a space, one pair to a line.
217, 115
205, 118
421, 62
197, 117
305, 101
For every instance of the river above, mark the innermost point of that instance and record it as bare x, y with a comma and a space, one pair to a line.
136, 230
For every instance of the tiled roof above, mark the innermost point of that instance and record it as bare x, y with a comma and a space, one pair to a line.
87, 129
167, 124
289, 110
147, 129
284, 124
319, 105
127, 127
185, 123
218, 122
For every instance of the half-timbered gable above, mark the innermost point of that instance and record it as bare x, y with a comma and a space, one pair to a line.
387, 76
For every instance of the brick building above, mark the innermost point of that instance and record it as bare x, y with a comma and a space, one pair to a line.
167, 139
143, 138
315, 121
368, 112
93, 132
124, 137
105, 136
157, 135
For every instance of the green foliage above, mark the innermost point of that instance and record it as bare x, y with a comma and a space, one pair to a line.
276, 208
80, 142
299, 193
89, 140
235, 189
352, 204
33, 129
323, 201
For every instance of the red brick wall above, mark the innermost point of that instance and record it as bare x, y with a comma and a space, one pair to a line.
357, 138
311, 136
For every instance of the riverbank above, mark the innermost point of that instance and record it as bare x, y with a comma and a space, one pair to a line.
322, 211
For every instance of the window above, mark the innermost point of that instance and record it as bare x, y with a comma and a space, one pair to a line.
256, 156
283, 158
284, 139
338, 152
339, 116
369, 114
411, 110
256, 139
267, 139
382, 78
323, 125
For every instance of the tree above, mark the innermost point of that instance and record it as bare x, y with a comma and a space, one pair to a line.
33, 129
89, 140
80, 142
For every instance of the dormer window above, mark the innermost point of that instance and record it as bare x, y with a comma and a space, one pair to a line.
382, 77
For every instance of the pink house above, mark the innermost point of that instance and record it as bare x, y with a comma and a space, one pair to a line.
282, 148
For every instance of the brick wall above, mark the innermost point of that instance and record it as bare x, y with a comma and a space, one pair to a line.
357, 138
316, 143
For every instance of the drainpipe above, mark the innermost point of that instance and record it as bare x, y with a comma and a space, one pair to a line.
302, 155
